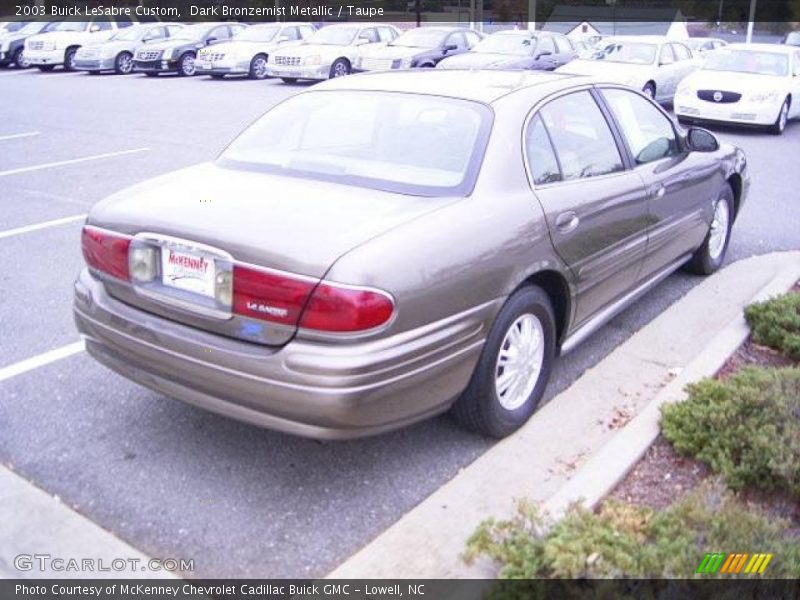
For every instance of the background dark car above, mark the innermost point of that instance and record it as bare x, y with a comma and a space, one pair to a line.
178, 53
12, 43
418, 48
516, 49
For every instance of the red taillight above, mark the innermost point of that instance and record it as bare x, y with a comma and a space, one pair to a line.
268, 295
345, 309
106, 251
281, 298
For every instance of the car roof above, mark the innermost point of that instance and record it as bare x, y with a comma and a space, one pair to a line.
780, 48
478, 85
650, 39
441, 28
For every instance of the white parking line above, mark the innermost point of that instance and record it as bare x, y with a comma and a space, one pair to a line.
15, 136
38, 226
70, 161
29, 364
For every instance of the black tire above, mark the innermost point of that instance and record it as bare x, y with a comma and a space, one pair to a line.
46, 68
19, 62
186, 66
706, 260
340, 68
258, 67
289, 79
123, 64
779, 126
479, 408
151, 74
69, 59
649, 89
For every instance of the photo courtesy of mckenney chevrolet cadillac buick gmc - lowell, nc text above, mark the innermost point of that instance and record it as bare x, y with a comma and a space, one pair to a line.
382, 248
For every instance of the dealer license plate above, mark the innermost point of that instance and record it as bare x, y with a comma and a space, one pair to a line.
188, 271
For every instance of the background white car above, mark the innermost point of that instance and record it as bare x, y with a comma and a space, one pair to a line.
652, 64
59, 46
755, 84
248, 52
330, 52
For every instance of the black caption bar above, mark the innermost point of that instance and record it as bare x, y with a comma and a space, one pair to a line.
398, 11
161, 589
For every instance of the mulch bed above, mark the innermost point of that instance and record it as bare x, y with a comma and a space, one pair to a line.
663, 476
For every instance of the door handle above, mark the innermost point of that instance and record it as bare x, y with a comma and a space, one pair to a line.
659, 191
566, 222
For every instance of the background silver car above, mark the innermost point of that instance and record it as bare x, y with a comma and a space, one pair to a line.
381, 248
116, 54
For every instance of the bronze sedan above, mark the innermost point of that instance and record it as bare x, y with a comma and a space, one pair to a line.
385, 247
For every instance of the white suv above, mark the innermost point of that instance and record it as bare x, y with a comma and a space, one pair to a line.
59, 45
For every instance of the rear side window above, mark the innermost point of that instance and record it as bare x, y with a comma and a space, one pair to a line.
541, 156
649, 133
666, 57
583, 142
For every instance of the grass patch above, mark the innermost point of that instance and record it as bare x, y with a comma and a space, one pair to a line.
627, 541
747, 428
776, 323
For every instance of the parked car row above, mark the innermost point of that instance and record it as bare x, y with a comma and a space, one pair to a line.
706, 79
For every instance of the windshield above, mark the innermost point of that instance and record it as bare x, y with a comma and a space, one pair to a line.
129, 34
419, 38
192, 33
257, 34
520, 45
408, 143
748, 61
631, 53
70, 26
334, 36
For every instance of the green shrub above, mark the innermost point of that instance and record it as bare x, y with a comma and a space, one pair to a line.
776, 323
626, 541
746, 428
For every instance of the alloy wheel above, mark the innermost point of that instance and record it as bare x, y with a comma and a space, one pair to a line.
719, 229
519, 361
260, 68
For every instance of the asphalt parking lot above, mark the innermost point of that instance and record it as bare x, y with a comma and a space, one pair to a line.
173, 480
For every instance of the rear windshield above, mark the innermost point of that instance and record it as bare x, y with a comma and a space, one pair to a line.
407, 143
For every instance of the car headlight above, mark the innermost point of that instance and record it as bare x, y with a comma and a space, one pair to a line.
405, 63
313, 60
765, 97
167, 54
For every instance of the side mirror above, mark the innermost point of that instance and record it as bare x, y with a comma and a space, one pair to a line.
284, 38
543, 53
211, 40
701, 140
361, 41
450, 47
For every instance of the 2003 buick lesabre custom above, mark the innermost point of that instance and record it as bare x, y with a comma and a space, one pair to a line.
384, 247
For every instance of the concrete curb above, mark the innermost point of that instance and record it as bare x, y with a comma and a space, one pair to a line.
608, 467
32, 522
567, 451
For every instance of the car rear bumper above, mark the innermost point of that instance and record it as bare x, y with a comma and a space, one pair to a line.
316, 389
740, 113
299, 71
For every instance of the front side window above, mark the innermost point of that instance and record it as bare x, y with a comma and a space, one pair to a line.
681, 52
502, 43
472, 38
408, 143
564, 45
545, 45
386, 34
649, 133
541, 156
583, 142
335, 35
259, 33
